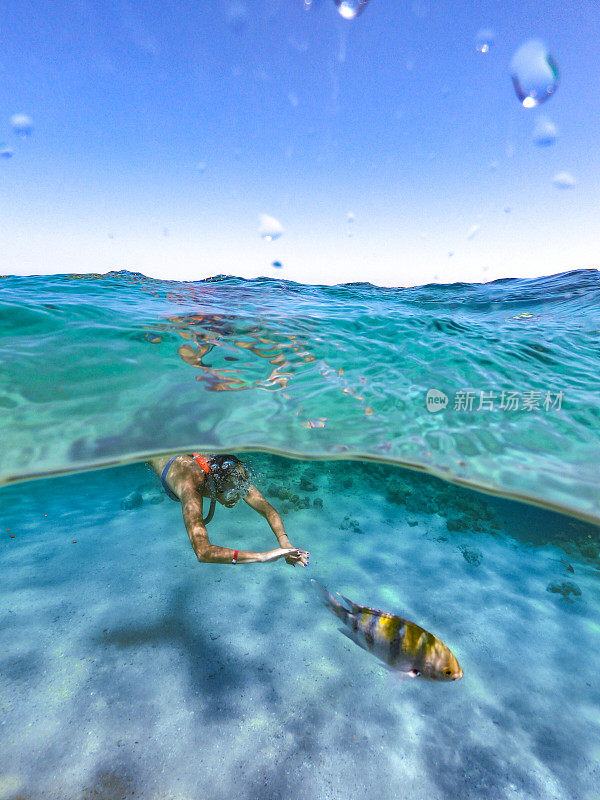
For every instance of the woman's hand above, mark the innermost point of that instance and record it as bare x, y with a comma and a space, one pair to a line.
300, 558
283, 552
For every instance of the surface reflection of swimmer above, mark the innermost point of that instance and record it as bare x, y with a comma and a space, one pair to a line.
225, 480
219, 334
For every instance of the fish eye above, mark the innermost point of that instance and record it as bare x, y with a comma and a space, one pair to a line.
448, 671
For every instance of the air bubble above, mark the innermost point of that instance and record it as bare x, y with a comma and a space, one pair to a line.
544, 132
349, 9
563, 180
6, 151
277, 264
269, 228
534, 73
22, 125
473, 231
485, 39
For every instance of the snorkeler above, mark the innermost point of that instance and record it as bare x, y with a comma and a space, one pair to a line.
224, 479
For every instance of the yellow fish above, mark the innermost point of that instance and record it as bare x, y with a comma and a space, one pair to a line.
403, 646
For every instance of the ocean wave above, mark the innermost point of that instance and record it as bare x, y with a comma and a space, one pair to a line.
105, 369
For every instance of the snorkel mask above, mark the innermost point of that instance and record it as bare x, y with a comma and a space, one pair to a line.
233, 483
221, 479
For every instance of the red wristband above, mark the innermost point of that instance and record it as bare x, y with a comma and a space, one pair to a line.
235, 555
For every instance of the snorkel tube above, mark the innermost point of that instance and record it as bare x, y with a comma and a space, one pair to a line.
218, 471
210, 483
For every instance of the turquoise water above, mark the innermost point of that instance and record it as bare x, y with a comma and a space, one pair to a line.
98, 370
128, 669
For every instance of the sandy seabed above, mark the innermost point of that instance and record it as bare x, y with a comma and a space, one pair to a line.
127, 669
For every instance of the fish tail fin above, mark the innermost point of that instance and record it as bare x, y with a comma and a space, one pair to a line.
351, 608
329, 600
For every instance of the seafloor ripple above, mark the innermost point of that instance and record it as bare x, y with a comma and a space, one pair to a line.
127, 667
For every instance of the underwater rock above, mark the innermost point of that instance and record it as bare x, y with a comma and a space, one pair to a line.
566, 588
472, 556
456, 524
347, 483
304, 502
150, 493
398, 493
412, 523
307, 485
350, 524
133, 500
317, 502
426, 494
588, 550
420, 504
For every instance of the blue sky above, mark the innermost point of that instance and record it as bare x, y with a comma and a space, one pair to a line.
162, 132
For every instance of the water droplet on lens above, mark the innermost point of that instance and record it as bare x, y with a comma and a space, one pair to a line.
473, 231
237, 16
349, 9
269, 228
544, 132
350, 217
277, 264
293, 98
485, 40
22, 125
6, 151
201, 166
507, 209
534, 73
563, 180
